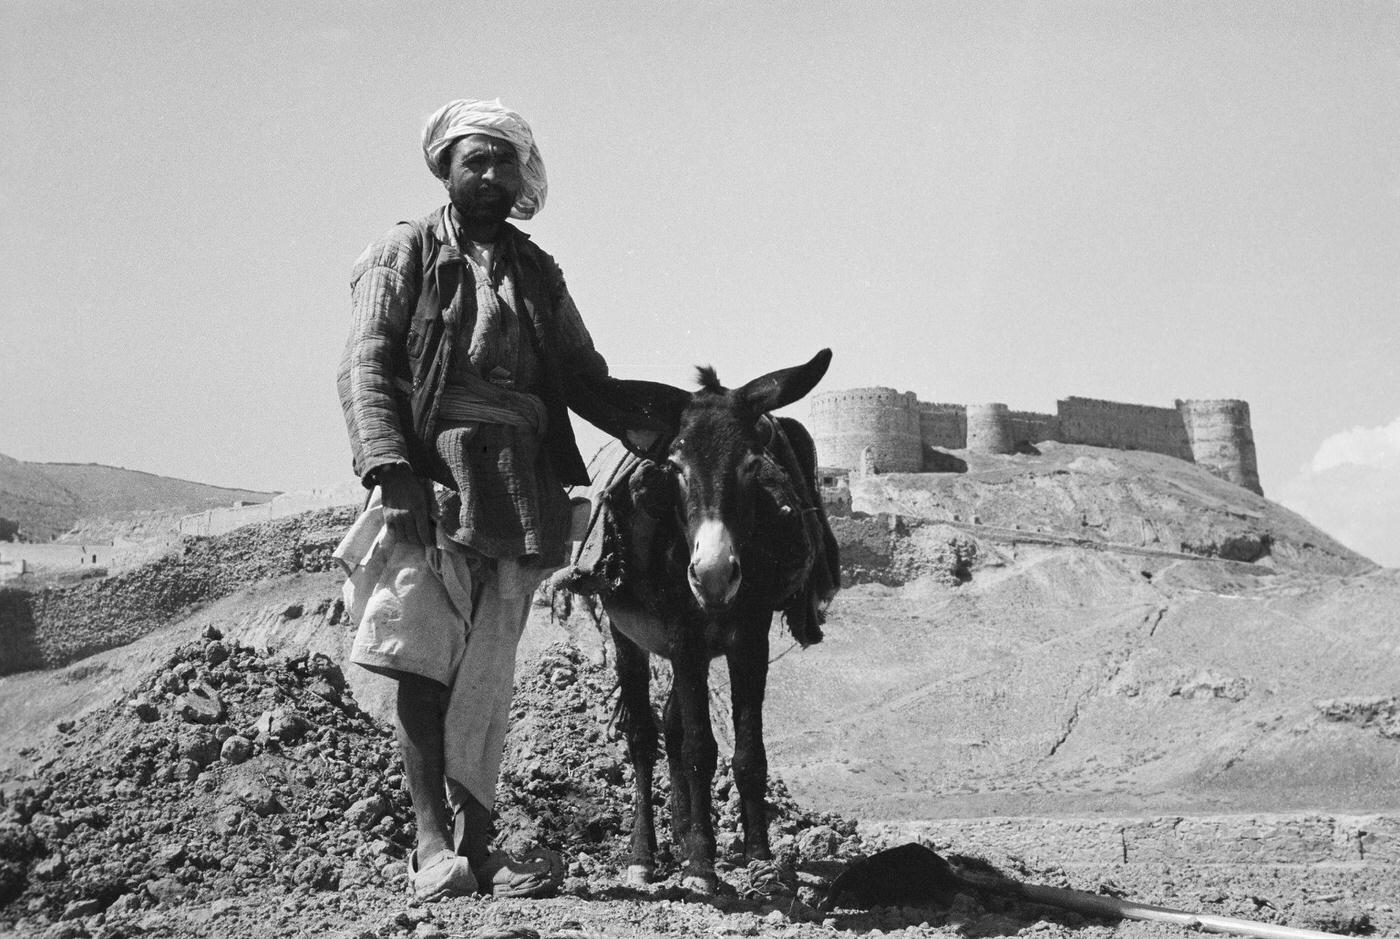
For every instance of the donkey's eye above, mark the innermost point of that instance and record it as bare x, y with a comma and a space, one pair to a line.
677, 469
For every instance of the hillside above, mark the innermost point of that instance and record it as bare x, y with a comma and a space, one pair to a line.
1087, 631
1102, 497
1091, 707
1063, 681
49, 499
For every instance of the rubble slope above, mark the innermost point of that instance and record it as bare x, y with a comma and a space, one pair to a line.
1100, 496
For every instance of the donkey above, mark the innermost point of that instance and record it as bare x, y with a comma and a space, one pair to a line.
709, 544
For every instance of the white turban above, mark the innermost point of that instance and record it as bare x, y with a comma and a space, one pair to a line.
457, 119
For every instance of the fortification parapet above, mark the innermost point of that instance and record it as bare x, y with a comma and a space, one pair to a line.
843, 423
989, 428
1099, 423
1033, 427
943, 425
1222, 439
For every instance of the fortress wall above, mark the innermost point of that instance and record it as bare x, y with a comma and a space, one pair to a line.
1222, 439
56, 555
1033, 427
1124, 426
895, 428
989, 428
943, 425
225, 519
844, 423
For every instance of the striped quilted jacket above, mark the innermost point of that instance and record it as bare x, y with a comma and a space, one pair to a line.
411, 293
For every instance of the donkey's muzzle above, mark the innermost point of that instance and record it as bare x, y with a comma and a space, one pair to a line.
714, 572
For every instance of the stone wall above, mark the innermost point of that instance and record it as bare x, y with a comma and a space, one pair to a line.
1032, 427
53, 626
49, 555
1123, 426
835, 488
943, 425
225, 519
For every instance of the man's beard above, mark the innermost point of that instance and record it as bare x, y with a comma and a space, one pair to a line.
486, 206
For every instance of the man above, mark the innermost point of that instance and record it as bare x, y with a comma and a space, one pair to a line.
465, 351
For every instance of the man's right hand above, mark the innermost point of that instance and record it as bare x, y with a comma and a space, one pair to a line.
405, 502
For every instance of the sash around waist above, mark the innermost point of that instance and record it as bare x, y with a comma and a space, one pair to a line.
471, 398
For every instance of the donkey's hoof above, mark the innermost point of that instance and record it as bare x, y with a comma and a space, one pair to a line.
639, 875
700, 884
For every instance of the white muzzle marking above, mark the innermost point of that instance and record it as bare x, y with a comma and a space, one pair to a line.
714, 565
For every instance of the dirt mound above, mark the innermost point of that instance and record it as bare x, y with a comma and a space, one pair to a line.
54, 626
224, 770
228, 772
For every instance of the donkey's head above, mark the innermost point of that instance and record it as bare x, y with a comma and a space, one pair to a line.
718, 436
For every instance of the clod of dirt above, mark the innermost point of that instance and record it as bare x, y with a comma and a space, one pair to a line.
200, 704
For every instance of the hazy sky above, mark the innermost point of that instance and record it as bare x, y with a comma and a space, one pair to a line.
973, 201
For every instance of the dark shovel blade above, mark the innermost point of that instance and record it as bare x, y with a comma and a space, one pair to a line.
909, 875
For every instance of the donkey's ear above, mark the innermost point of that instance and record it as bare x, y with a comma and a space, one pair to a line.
616, 406
659, 404
781, 388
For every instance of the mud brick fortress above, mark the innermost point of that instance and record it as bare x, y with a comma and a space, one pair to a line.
881, 430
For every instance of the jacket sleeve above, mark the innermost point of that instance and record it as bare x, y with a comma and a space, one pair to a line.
372, 380
576, 353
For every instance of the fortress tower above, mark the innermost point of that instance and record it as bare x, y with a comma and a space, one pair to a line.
1222, 440
843, 423
989, 429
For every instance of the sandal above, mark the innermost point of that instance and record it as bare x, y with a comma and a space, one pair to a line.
448, 876
537, 873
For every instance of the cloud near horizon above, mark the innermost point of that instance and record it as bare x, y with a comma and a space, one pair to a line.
1351, 490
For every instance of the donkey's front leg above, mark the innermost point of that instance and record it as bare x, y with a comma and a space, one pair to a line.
691, 694
634, 685
748, 679
680, 779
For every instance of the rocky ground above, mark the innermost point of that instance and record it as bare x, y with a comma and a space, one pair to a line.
237, 793
982, 688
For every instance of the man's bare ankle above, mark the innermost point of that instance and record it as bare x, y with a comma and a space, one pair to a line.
429, 849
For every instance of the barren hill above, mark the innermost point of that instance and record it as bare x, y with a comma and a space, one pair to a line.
1063, 681
1016, 647
1093, 631
1102, 497
48, 499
